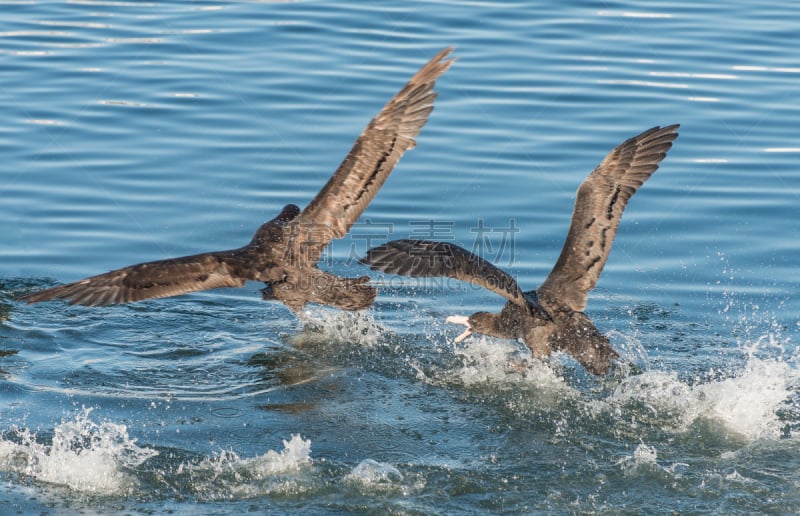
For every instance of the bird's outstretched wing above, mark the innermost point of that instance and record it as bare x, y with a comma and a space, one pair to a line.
425, 259
370, 161
163, 278
599, 204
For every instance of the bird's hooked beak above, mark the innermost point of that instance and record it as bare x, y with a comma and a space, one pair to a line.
460, 319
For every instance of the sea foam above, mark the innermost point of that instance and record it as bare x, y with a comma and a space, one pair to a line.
323, 325
747, 403
227, 475
370, 472
84, 456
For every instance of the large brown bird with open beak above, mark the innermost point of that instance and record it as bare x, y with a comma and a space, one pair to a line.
284, 251
551, 317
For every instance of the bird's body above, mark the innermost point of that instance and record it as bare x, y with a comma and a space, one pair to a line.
551, 317
545, 331
284, 252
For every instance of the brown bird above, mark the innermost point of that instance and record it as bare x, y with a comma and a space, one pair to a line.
551, 317
284, 251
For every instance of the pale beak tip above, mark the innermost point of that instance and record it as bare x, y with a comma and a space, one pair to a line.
463, 336
458, 319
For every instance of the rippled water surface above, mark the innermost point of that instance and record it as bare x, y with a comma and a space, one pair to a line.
136, 131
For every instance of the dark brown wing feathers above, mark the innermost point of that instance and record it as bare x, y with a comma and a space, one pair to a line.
425, 259
157, 279
374, 154
599, 204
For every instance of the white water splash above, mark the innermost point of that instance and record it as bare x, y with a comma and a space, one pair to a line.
337, 326
295, 454
372, 478
746, 403
644, 462
630, 349
371, 472
494, 361
228, 476
84, 456
643, 458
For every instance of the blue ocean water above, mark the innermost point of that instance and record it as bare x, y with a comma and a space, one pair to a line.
135, 131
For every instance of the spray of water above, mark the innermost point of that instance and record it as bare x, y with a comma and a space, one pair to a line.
336, 326
226, 475
83, 455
